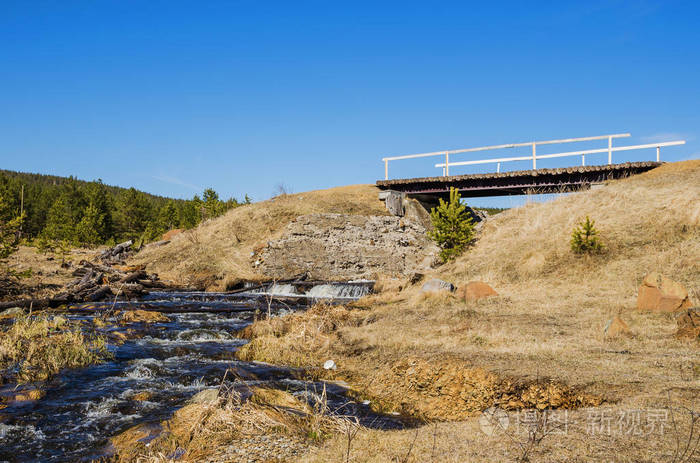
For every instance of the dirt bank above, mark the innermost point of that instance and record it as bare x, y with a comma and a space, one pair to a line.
221, 251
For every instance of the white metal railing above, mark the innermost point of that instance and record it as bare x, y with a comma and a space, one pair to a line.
534, 156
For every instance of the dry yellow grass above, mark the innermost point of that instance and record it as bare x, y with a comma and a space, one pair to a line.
37, 347
547, 322
47, 275
218, 252
270, 426
646, 221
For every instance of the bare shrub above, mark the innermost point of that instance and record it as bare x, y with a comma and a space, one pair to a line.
281, 189
687, 447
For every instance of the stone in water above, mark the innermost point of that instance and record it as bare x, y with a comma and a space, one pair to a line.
329, 365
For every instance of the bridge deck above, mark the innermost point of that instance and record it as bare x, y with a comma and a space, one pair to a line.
517, 182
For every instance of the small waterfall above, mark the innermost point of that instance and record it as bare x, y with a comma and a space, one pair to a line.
282, 290
338, 291
349, 290
276, 290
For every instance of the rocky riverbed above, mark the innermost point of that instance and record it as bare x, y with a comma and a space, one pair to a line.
158, 364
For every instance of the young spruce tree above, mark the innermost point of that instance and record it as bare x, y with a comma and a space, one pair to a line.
453, 227
584, 238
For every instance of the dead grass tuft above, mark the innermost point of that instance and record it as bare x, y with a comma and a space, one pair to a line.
299, 339
37, 347
141, 316
198, 432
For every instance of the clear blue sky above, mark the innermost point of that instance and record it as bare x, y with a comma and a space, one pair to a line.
172, 97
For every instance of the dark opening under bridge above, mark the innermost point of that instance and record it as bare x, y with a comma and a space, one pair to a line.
520, 182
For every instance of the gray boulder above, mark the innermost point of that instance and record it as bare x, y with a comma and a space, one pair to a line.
207, 396
437, 285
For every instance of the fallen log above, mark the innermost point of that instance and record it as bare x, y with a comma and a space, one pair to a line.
133, 276
101, 268
98, 294
152, 284
34, 303
128, 290
179, 309
89, 284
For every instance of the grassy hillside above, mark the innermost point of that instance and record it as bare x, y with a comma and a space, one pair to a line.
649, 220
219, 250
540, 343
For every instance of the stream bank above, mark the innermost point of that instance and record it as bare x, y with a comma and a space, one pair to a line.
155, 368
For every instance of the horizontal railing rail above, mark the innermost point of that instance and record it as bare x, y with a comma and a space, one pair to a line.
534, 156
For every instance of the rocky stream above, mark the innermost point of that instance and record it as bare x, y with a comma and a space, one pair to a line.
155, 371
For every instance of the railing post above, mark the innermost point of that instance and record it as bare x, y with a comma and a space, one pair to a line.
498, 167
609, 150
447, 163
658, 154
386, 169
583, 159
534, 156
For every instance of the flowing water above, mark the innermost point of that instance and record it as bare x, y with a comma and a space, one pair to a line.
170, 361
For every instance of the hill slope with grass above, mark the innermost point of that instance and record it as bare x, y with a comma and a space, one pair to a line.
649, 221
218, 252
540, 343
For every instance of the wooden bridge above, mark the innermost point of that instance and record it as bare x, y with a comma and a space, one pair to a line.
502, 183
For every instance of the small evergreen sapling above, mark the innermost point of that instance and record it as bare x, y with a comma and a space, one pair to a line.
584, 238
453, 227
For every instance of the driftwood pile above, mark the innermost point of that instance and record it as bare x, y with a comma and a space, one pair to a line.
96, 282
118, 254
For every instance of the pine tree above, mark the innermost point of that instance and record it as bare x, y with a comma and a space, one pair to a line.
134, 213
188, 214
59, 222
453, 227
98, 197
212, 205
168, 216
90, 229
584, 238
10, 223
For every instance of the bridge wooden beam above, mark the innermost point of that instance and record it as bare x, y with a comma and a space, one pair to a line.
517, 182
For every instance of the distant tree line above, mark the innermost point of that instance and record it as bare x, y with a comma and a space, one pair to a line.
59, 209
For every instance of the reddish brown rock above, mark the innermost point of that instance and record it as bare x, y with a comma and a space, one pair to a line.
616, 327
689, 324
661, 294
475, 290
169, 235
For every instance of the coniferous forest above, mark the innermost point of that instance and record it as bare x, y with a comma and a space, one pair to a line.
59, 209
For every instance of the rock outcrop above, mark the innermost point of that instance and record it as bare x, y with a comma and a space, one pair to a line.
436, 284
661, 294
475, 290
340, 246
